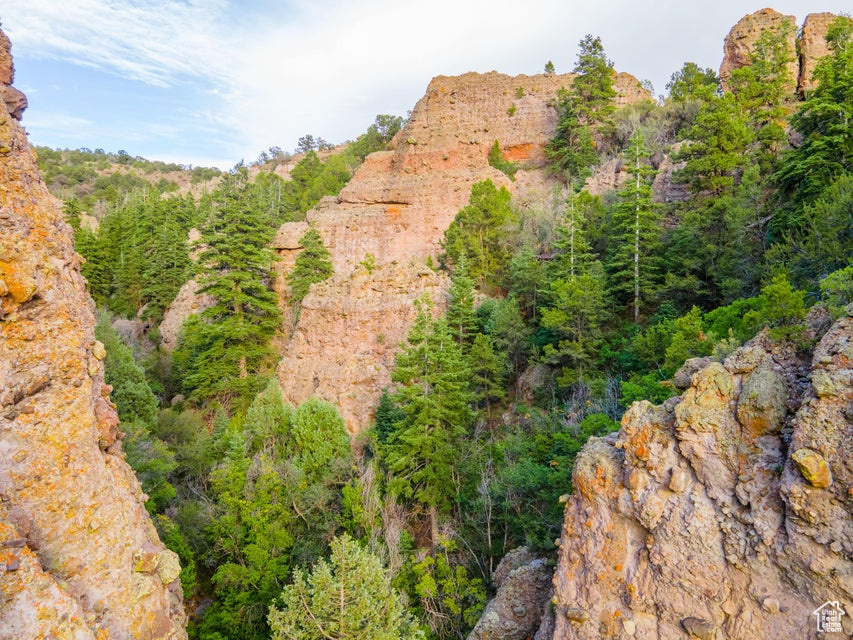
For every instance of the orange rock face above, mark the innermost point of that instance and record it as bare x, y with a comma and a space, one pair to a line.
741, 41
396, 209
813, 47
72, 515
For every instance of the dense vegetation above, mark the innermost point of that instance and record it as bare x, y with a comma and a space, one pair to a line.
586, 304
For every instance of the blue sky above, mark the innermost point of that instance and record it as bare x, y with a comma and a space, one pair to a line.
215, 81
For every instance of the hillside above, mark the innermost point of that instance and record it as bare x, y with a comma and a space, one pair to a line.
549, 359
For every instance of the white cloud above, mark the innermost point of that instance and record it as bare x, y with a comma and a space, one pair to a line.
272, 71
154, 42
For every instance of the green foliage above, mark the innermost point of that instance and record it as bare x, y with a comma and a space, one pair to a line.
137, 409
589, 100
823, 120
781, 308
348, 597
549, 68
499, 162
313, 264
369, 262
836, 291
533, 467
480, 235
444, 594
421, 453
635, 263
689, 340
692, 82
576, 316
232, 342
644, 387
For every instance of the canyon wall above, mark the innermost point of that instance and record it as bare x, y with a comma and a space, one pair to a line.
79, 556
726, 512
396, 209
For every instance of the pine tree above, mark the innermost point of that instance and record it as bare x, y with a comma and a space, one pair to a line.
423, 451
236, 273
349, 597
313, 264
481, 234
635, 264
460, 308
488, 372
588, 102
576, 315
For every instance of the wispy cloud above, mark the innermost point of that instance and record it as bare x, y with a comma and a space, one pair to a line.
153, 42
248, 74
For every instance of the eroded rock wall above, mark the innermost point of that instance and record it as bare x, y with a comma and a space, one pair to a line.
396, 208
724, 513
79, 556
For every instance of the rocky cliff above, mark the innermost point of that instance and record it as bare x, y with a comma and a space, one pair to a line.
723, 513
804, 49
396, 209
79, 556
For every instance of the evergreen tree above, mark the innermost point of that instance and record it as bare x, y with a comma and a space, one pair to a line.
460, 307
488, 372
692, 82
590, 100
482, 233
423, 451
350, 597
313, 264
576, 316
635, 261
236, 273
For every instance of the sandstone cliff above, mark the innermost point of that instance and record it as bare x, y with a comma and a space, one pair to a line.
725, 513
79, 556
396, 208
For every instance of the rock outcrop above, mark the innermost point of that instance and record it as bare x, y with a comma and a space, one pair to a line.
724, 513
813, 47
79, 556
523, 582
805, 50
743, 37
187, 302
396, 209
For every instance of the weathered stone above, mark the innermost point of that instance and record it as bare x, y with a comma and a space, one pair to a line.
576, 615
55, 479
813, 47
524, 586
699, 628
696, 510
168, 566
761, 405
98, 350
823, 384
187, 302
682, 377
813, 466
741, 43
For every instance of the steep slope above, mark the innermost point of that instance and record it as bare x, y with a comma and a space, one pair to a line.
396, 208
725, 513
80, 557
